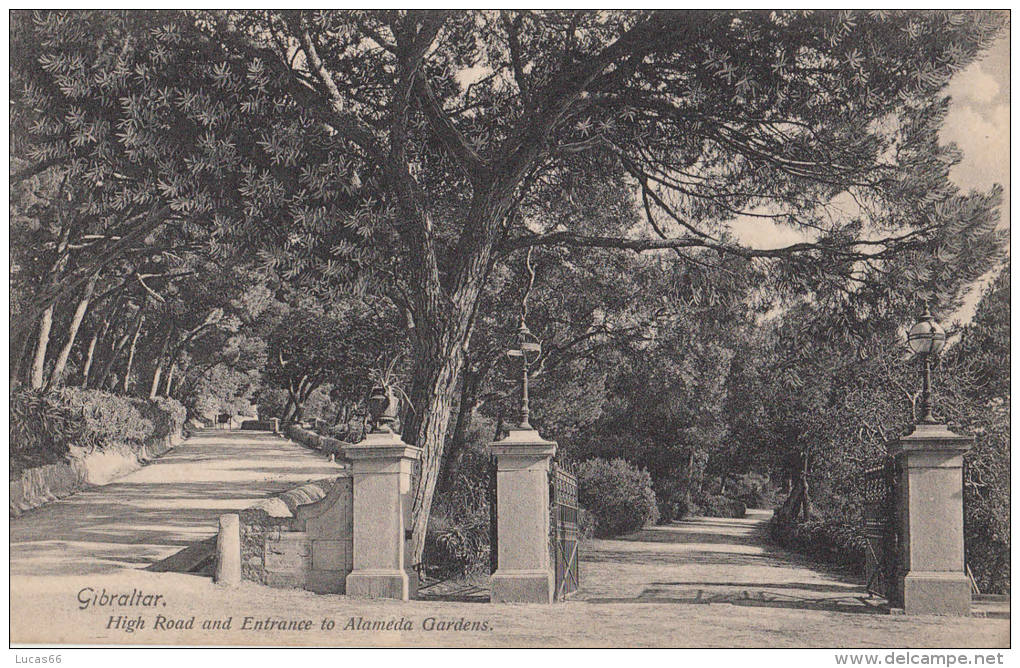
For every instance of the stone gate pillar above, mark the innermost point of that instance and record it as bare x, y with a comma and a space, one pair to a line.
381, 467
933, 578
523, 573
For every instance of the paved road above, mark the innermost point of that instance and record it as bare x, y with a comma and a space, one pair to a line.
712, 560
638, 591
162, 508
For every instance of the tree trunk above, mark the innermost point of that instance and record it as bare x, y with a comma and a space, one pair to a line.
433, 387
39, 361
465, 413
157, 377
89, 356
56, 377
111, 317
288, 409
689, 492
46, 319
17, 370
805, 496
131, 353
169, 378
157, 374
798, 503
116, 348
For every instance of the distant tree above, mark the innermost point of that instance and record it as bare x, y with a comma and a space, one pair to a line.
309, 349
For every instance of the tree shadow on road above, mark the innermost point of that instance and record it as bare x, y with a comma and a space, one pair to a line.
761, 598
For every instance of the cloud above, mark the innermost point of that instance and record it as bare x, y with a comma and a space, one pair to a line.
983, 137
974, 84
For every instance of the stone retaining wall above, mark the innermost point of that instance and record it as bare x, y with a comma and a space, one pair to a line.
301, 539
43, 484
309, 439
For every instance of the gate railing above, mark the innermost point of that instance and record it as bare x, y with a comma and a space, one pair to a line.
564, 530
881, 528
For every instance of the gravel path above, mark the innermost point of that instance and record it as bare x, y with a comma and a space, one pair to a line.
700, 583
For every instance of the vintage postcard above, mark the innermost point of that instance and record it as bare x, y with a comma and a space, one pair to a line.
511, 328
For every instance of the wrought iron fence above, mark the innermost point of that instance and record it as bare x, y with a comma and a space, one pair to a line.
564, 530
881, 528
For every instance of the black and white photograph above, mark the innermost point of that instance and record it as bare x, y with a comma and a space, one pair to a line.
511, 328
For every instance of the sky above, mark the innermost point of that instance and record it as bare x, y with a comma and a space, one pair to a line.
978, 123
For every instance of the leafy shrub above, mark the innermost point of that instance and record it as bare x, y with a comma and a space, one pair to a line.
111, 417
41, 429
722, 506
671, 499
827, 540
166, 415
457, 537
270, 402
44, 426
751, 489
457, 541
617, 494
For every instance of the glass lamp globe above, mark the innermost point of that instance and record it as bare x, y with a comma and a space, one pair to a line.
528, 344
926, 337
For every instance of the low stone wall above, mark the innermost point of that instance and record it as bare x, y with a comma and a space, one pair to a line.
309, 439
44, 484
301, 539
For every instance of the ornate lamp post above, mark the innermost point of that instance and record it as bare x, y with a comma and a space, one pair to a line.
930, 572
528, 349
926, 338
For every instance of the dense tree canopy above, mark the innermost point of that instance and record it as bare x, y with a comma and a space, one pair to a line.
404, 158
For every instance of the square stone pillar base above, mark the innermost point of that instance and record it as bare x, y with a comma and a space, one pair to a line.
522, 586
935, 593
932, 565
378, 584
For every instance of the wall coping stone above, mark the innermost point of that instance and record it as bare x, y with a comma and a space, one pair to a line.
284, 505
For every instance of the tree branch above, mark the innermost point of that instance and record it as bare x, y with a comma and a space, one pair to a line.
465, 157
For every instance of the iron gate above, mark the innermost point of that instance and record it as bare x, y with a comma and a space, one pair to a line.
563, 534
881, 528
493, 517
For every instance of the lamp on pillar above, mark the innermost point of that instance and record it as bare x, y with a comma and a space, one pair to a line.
931, 567
528, 349
523, 572
926, 338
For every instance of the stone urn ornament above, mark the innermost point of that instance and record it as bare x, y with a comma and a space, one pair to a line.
384, 398
383, 407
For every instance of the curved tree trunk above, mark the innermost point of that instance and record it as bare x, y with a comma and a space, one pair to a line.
288, 410
89, 356
131, 353
169, 378
157, 374
57, 375
111, 315
46, 319
42, 342
117, 348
